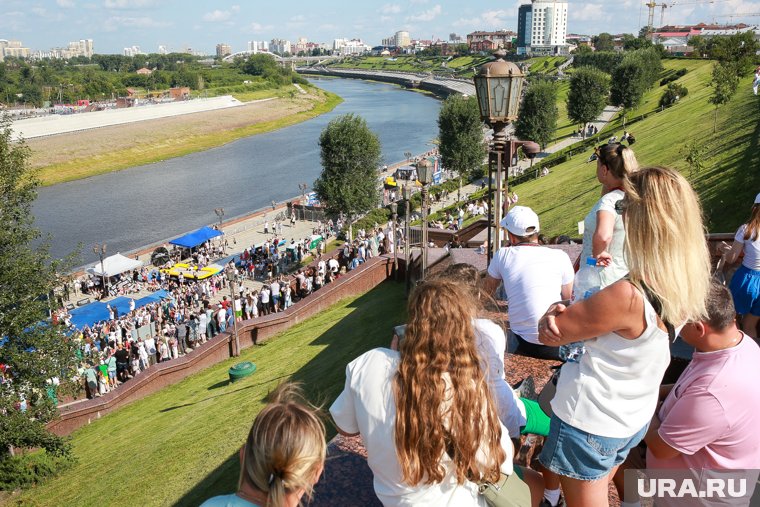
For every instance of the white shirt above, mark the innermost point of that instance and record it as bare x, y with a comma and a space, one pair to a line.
613, 390
533, 277
751, 249
492, 344
367, 406
618, 267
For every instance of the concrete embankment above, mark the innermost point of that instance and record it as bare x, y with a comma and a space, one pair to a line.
434, 84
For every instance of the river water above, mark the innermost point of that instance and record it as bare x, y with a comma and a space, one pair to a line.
146, 204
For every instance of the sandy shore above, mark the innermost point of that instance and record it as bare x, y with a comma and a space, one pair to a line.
78, 155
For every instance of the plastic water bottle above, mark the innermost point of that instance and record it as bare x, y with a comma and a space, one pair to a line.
588, 281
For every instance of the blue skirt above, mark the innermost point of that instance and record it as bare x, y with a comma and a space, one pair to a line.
745, 288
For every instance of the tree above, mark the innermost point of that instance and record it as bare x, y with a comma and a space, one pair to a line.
34, 349
538, 114
724, 84
350, 154
603, 42
460, 132
628, 83
694, 154
589, 89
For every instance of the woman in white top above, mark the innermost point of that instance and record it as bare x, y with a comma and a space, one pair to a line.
604, 402
603, 231
425, 413
745, 285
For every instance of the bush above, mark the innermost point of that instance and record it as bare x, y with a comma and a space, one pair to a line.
378, 216
23, 471
672, 94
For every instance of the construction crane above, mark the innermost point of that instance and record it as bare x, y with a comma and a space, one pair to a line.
652, 5
739, 15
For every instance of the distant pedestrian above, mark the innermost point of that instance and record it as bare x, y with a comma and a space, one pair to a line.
266, 227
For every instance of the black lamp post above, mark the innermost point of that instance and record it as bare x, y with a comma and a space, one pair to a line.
498, 85
100, 251
406, 192
425, 176
394, 213
230, 272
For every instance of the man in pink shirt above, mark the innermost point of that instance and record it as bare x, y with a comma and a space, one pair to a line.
709, 419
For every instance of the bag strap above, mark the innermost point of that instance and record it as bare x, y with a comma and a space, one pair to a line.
656, 303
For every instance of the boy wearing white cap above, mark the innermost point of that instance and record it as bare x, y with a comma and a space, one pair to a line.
534, 277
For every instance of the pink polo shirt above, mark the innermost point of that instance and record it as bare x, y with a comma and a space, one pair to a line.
712, 415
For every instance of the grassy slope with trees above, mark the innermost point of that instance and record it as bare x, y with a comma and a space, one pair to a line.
179, 446
727, 184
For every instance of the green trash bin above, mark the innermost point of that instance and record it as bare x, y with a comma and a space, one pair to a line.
241, 370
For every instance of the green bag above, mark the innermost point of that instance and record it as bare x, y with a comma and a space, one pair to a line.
509, 491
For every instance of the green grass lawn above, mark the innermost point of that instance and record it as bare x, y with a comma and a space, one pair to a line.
179, 446
565, 126
727, 185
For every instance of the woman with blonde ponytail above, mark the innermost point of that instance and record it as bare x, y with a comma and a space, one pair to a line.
603, 233
282, 457
425, 412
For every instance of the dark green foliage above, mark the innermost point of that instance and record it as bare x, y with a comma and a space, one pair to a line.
672, 94
378, 216
350, 154
673, 76
603, 42
460, 131
736, 52
35, 350
634, 76
23, 471
589, 89
606, 61
725, 82
538, 114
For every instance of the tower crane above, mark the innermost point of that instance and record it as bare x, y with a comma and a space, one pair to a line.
652, 5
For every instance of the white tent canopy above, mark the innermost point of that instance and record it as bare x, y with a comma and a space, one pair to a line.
114, 265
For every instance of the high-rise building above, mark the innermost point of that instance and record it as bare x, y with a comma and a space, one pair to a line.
223, 50
524, 27
280, 46
13, 48
548, 27
542, 27
133, 51
402, 39
86, 48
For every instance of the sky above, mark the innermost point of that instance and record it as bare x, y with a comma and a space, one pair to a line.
116, 24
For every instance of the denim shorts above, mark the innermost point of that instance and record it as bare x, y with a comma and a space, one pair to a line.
573, 453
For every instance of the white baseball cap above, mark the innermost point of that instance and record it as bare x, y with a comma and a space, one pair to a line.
521, 221
757, 199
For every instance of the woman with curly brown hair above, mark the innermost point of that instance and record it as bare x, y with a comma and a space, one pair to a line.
425, 413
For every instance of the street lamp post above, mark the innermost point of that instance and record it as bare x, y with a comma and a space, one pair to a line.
100, 251
425, 176
406, 192
394, 212
220, 213
230, 272
498, 85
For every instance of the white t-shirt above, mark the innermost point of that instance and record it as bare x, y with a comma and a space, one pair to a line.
751, 249
613, 390
367, 406
618, 267
533, 277
492, 344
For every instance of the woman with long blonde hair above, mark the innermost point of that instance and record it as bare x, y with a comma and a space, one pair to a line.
425, 413
604, 402
745, 284
283, 456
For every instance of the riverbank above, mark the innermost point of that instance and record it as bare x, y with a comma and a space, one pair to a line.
80, 155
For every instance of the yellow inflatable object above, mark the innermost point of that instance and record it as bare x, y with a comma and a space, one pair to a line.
191, 272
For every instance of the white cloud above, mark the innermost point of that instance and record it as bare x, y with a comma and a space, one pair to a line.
589, 12
128, 4
66, 4
115, 22
216, 16
390, 9
235, 8
259, 28
413, 2
428, 15
39, 11
499, 18
296, 21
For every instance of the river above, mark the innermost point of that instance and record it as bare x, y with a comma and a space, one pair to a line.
146, 204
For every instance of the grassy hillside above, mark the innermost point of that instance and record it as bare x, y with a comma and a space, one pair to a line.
727, 185
179, 446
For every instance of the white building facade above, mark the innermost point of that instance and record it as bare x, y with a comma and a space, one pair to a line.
548, 28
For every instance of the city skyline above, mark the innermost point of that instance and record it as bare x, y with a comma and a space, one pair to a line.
116, 24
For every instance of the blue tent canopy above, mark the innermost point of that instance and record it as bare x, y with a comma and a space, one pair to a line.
195, 238
93, 313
